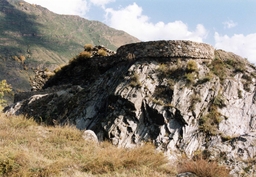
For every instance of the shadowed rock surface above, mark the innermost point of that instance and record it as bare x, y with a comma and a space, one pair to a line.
183, 96
32, 37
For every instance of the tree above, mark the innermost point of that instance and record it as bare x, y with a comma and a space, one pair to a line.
4, 88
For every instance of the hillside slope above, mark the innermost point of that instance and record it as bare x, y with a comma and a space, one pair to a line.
185, 97
33, 37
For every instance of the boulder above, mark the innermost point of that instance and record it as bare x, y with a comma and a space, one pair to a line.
90, 136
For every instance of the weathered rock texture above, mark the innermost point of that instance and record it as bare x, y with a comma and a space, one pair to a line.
184, 49
184, 96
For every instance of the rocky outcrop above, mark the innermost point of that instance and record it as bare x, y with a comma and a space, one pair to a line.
42, 76
169, 49
185, 97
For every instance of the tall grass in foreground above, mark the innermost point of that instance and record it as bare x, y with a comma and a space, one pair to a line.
28, 149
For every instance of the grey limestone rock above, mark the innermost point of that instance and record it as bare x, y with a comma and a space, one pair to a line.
185, 97
90, 136
187, 174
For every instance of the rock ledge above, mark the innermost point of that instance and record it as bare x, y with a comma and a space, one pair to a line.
172, 48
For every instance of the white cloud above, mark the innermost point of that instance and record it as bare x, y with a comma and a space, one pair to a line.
229, 24
245, 46
101, 2
131, 20
68, 7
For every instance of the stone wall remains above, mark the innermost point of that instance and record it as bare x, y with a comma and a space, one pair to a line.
171, 49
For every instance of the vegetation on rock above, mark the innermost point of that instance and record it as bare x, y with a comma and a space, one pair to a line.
183, 103
192, 66
4, 88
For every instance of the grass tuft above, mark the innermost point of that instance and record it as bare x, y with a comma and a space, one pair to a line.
85, 54
203, 168
135, 80
192, 66
218, 67
88, 47
102, 52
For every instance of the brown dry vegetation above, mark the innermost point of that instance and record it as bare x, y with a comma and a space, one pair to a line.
102, 52
29, 149
203, 168
88, 47
85, 54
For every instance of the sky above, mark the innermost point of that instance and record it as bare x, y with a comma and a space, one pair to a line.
225, 24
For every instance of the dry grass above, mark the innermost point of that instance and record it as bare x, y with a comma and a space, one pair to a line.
203, 168
192, 66
85, 54
102, 52
135, 80
28, 149
219, 68
209, 123
88, 47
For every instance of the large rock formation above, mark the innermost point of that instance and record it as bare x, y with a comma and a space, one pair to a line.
184, 96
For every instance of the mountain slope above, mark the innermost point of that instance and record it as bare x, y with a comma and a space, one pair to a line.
31, 37
185, 97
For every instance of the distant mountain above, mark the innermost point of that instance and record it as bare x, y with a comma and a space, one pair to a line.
33, 37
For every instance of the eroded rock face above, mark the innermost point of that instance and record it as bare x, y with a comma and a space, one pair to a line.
183, 49
201, 101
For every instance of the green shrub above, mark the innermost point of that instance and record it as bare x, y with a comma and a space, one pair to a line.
247, 86
219, 101
190, 77
209, 76
192, 66
239, 93
247, 82
163, 94
209, 123
171, 70
164, 69
4, 88
218, 68
236, 65
135, 81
